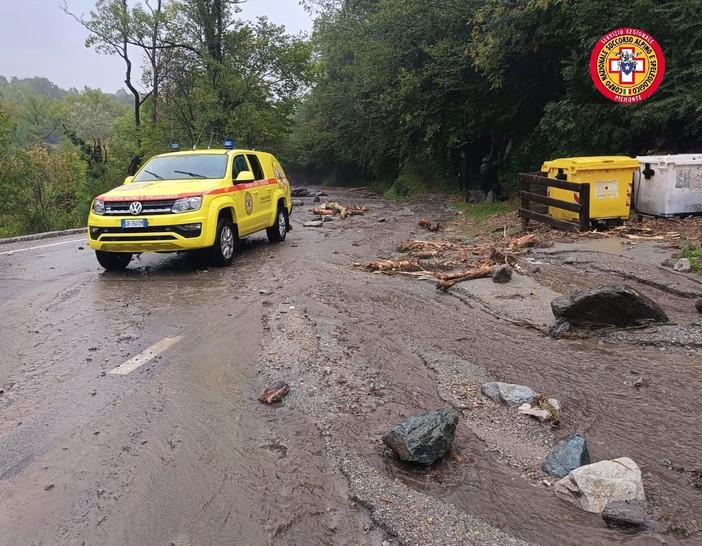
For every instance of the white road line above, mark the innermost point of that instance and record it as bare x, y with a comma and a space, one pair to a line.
143, 357
81, 240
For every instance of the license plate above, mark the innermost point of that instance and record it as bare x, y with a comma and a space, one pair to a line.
141, 223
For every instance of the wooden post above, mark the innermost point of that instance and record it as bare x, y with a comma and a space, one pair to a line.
525, 183
584, 215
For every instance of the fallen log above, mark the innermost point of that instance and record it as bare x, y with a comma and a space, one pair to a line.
521, 242
447, 280
394, 265
323, 212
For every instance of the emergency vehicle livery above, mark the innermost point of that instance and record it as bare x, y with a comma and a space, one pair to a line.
192, 200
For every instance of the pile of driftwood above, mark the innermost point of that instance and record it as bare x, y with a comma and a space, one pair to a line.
452, 262
333, 208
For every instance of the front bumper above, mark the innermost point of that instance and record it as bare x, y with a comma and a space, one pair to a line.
162, 233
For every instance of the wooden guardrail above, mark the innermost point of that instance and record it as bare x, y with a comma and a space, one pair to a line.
534, 189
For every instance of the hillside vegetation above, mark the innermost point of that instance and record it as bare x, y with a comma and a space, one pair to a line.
405, 94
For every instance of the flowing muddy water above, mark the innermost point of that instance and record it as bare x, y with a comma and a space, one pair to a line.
181, 452
382, 346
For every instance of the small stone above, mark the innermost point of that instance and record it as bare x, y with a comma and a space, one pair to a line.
298, 203
698, 305
316, 199
683, 265
668, 262
327, 370
383, 219
569, 260
274, 393
540, 414
313, 223
48, 487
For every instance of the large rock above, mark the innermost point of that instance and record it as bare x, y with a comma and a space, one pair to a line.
501, 273
423, 438
568, 455
595, 485
507, 393
619, 305
626, 514
683, 265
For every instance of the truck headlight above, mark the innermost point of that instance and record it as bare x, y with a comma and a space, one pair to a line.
187, 204
98, 207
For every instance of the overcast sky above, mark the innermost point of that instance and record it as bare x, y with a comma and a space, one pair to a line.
38, 39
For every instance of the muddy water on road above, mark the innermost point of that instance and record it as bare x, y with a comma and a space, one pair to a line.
593, 381
378, 326
185, 454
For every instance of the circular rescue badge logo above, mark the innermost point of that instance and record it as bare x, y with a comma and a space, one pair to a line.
248, 203
627, 65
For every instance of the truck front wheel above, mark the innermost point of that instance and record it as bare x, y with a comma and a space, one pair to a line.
225, 245
276, 233
113, 261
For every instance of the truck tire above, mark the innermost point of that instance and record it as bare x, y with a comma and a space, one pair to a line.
225, 245
276, 233
113, 261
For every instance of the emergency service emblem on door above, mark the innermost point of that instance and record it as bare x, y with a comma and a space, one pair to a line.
627, 65
248, 203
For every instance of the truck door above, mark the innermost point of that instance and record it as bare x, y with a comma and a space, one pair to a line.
243, 198
262, 194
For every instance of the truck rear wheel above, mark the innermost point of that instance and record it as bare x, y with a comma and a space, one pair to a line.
226, 243
276, 233
113, 261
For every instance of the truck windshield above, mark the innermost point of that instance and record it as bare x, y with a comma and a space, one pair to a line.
183, 167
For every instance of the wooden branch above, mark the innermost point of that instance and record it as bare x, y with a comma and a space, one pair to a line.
447, 280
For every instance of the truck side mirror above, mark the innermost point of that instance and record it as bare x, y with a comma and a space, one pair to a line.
245, 176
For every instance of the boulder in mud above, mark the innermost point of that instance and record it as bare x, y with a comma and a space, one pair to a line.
683, 265
507, 393
423, 438
595, 485
617, 305
568, 455
501, 273
625, 514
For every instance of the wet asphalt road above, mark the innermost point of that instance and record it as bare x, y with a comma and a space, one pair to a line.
129, 410
102, 444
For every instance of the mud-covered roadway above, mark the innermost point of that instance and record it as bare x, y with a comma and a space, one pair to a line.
129, 412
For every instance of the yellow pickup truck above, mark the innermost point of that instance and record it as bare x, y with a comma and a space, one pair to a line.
190, 200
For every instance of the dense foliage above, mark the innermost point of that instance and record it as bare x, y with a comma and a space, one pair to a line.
407, 93
410, 84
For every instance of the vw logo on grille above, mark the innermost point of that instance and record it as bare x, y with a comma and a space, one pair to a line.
135, 208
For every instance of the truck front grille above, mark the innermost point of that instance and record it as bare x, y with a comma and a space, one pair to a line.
121, 208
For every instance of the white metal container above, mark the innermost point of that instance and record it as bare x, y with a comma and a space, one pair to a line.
669, 185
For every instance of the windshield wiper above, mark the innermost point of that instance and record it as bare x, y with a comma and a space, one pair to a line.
192, 175
153, 174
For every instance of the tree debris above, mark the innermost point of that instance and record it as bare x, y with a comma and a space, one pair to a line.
426, 224
335, 208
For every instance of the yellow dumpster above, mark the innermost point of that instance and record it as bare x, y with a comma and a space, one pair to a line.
610, 179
